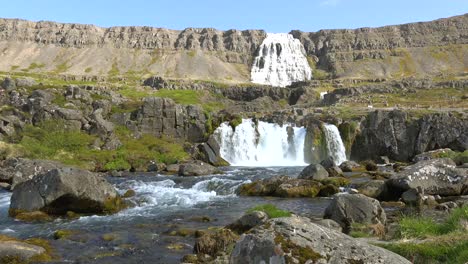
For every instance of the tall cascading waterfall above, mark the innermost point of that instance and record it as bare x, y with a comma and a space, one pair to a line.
262, 144
281, 61
335, 146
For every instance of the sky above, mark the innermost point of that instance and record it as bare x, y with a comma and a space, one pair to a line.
272, 16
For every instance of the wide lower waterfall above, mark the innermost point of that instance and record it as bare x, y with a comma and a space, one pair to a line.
281, 61
335, 146
262, 144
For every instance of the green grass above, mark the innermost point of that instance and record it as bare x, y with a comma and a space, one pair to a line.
444, 242
62, 67
114, 71
271, 210
457, 157
432, 252
34, 66
88, 70
185, 97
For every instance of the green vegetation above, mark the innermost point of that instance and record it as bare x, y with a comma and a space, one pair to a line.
444, 242
271, 210
53, 140
458, 157
34, 66
114, 71
88, 70
62, 67
191, 53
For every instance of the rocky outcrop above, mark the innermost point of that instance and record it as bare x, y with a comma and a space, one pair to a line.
434, 177
299, 240
281, 186
314, 172
66, 189
163, 117
347, 209
400, 137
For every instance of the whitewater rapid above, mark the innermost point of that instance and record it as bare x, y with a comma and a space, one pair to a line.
281, 61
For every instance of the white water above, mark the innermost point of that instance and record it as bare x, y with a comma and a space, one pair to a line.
336, 148
264, 145
281, 61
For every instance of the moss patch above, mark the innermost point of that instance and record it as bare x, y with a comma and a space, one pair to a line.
294, 253
271, 210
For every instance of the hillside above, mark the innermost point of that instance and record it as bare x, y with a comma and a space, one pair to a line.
417, 49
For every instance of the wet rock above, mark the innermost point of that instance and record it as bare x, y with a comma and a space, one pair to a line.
348, 166
299, 240
9, 250
328, 163
281, 186
173, 168
370, 165
215, 242
347, 209
383, 160
65, 189
248, 221
197, 168
313, 172
434, 177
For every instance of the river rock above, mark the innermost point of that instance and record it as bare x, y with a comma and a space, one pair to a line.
375, 189
197, 168
299, 240
314, 172
281, 186
18, 249
348, 165
66, 189
214, 242
347, 209
435, 177
248, 221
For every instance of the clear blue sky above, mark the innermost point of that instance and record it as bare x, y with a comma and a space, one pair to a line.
273, 16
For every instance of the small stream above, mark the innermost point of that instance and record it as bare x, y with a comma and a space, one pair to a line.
163, 204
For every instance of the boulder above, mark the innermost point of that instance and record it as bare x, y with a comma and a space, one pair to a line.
65, 189
12, 249
375, 189
248, 221
314, 172
215, 242
15, 170
25, 82
328, 163
299, 240
8, 84
434, 177
197, 168
348, 166
173, 168
347, 209
328, 223
281, 186
433, 154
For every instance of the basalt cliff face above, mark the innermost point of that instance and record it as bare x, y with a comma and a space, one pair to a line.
416, 49
424, 48
76, 49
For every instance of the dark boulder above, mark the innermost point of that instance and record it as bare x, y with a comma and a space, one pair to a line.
66, 189
347, 209
314, 172
248, 221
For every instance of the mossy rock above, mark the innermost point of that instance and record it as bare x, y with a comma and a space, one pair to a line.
64, 233
30, 217
183, 232
305, 188
129, 193
295, 253
114, 205
328, 190
336, 181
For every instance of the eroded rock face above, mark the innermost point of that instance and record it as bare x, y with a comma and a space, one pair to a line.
347, 209
65, 189
396, 135
299, 240
435, 177
15, 171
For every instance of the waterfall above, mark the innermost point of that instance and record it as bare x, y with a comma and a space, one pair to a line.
281, 61
262, 144
335, 146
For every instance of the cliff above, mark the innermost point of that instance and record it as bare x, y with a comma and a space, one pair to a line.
424, 48
416, 49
